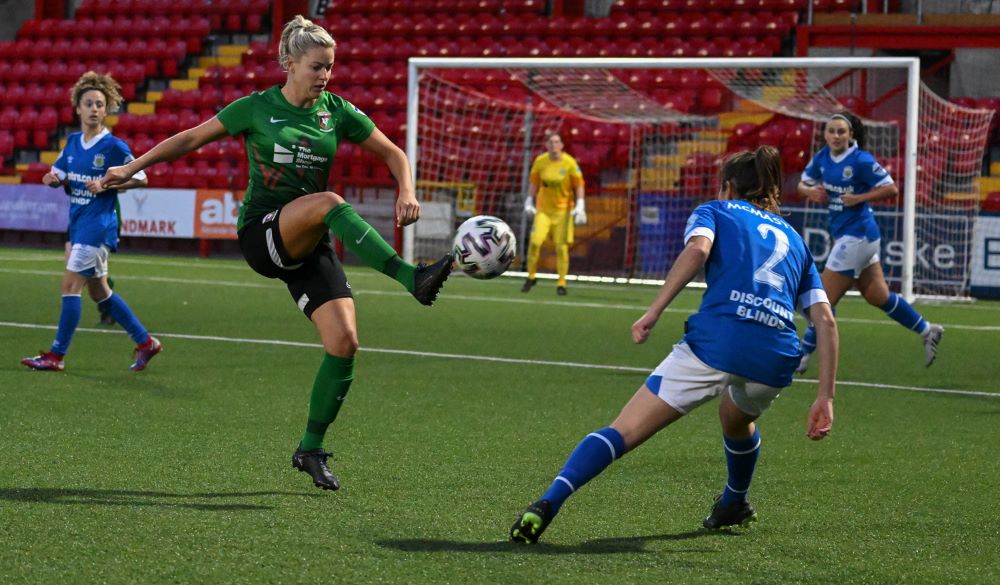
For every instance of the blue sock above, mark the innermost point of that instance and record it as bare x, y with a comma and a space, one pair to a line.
741, 458
124, 317
809, 339
594, 453
69, 319
903, 313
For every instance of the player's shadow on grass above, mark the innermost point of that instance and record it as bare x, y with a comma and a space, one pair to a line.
90, 497
600, 546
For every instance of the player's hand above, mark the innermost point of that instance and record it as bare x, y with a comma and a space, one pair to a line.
94, 186
116, 176
579, 213
820, 419
50, 180
529, 206
850, 199
816, 194
407, 208
643, 327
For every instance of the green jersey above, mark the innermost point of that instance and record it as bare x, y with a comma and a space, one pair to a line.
290, 149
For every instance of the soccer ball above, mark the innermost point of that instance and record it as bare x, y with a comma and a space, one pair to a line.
484, 246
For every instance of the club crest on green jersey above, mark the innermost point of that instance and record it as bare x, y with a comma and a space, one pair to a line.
324, 121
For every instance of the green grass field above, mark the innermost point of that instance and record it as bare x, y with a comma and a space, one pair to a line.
181, 473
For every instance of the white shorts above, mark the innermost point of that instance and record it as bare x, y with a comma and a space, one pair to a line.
89, 261
685, 382
851, 255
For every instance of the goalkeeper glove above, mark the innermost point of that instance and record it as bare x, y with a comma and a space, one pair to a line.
529, 206
579, 213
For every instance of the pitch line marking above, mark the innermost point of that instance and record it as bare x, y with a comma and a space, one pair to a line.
484, 358
475, 298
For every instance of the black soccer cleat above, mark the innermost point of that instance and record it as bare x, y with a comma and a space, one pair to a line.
313, 462
532, 523
429, 279
561, 291
739, 514
528, 283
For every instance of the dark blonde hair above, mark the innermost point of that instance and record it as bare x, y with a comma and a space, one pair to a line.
300, 35
755, 176
103, 83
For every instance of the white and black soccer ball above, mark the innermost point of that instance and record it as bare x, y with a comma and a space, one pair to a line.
484, 246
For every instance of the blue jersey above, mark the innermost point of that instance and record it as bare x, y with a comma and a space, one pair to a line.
758, 272
853, 171
92, 217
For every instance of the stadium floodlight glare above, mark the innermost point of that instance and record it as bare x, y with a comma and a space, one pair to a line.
475, 124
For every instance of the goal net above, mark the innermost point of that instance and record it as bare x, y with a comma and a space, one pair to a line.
649, 135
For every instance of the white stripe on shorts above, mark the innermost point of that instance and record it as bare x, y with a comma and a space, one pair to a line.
273, 251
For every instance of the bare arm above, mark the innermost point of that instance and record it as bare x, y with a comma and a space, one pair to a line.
172, 148
827, 345
688, 263
877, 194
532, 189
407, 207
134, 183
814, 192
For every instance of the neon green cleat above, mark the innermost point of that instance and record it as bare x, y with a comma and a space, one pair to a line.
532, 523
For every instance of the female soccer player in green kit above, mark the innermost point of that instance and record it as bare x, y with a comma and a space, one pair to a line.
292, 133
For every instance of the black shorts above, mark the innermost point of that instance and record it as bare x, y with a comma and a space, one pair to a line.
312, 280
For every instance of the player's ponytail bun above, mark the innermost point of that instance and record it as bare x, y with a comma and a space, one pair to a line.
755, 176
103, 83
300, 35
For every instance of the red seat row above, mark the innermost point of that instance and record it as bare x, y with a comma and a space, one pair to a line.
147, 8
519, 8
488, 26
709, 5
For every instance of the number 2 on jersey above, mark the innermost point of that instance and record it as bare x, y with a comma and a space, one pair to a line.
764, 273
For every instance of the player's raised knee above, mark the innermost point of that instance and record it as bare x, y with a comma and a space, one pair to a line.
330, 198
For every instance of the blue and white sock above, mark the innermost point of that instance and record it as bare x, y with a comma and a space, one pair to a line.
118, 308
903, 313
741, 459
594, 453
69, 319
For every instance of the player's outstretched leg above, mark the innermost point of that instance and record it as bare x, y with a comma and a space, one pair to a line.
932, 337
429, 279
591, 456
363, 241
740, 513
531, 523
313, 462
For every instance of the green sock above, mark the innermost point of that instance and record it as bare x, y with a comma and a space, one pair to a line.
333, 380
366, 243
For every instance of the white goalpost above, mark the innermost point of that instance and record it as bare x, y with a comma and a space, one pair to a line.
649, 134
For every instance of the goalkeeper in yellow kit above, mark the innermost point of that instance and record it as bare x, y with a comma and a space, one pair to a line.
557, 183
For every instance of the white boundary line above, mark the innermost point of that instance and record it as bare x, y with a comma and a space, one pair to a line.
481, 358
475, 298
